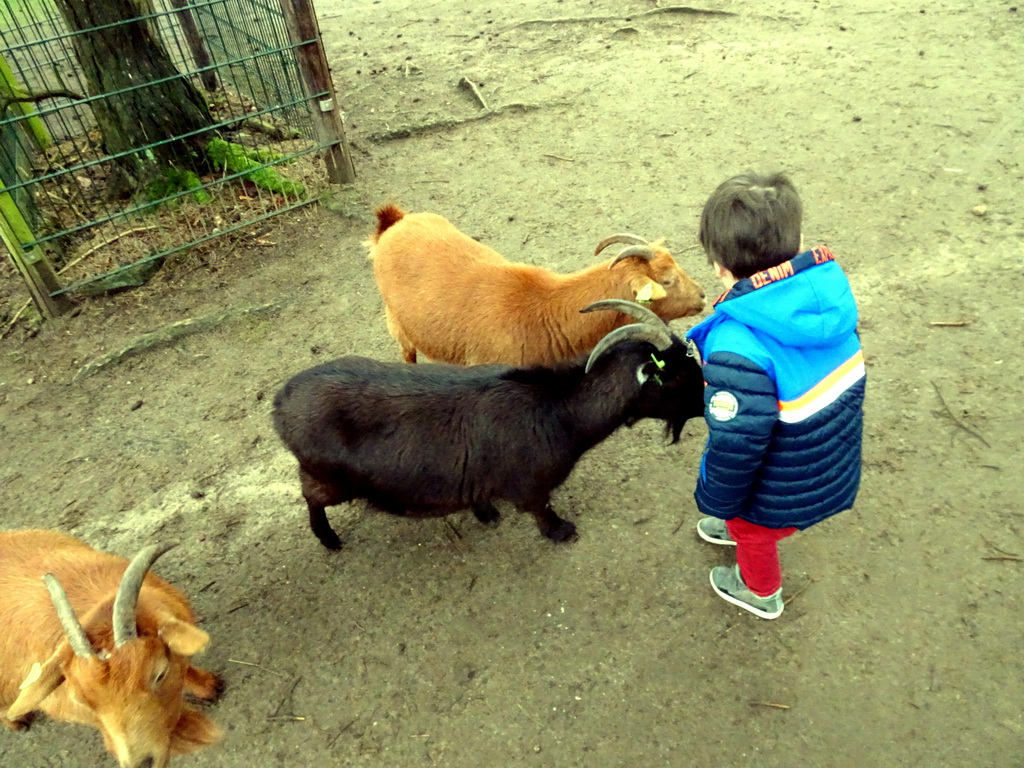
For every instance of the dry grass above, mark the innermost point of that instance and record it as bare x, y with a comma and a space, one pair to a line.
234, 214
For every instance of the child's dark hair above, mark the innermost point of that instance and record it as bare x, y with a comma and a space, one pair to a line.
752, 222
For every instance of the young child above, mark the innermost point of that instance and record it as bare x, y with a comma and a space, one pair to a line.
784, 376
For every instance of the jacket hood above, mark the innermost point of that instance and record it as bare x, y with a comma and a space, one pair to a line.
806, 302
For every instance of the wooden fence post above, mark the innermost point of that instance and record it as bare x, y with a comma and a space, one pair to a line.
195, 44
330, 129
33, 264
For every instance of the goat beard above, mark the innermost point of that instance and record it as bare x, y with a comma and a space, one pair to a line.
193, 731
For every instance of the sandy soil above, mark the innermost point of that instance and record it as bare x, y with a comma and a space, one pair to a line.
452, 644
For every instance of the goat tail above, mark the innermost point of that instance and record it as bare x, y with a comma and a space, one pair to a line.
387, 215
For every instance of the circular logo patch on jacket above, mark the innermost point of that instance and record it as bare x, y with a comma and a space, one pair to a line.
723, 406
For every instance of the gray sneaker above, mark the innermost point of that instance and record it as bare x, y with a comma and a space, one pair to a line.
729, 585
713, 529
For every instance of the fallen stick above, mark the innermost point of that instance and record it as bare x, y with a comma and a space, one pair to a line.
171, 333
334, 738
281, 133
104, 244
287, 697
37, 97
958, 422
13, 320
950, 323
258, 666
769, 704
467, 84
568, 20
797, 594
997, 549
688, 10
454, 532
587, 19
406, 131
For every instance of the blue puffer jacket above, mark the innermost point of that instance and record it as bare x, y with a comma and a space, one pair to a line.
784, 376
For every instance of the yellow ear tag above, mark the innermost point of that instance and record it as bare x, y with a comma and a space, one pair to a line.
645, 293
661, 366
33, 674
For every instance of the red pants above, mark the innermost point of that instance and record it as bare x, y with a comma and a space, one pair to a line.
757, 555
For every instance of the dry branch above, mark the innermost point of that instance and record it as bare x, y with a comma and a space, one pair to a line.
998, 549
13, 320
171, 333
104, 244
37, 97
682, 9
958, 422
258, 666
797, 594
415, 129
688, 10
454, 533
276, 132
277, 715
467, 84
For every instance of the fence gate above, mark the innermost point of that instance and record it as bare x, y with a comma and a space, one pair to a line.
201, 118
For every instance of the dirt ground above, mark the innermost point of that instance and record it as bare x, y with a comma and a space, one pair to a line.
441, 643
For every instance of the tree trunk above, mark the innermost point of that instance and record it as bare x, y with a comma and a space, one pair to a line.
120, 52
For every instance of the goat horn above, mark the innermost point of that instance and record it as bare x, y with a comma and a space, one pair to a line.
128, 592
644, 252
631, 308
659, 337
68, 621
622, 237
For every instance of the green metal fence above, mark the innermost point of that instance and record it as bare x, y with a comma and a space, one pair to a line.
260, 67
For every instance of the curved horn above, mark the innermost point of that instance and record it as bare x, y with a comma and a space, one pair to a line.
622, 237
644, 252
631, 308
659, 337
68, 621
128, 592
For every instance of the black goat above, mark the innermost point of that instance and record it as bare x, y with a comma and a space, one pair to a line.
426, 440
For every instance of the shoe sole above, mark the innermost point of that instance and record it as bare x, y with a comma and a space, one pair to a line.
713, 540
746, 606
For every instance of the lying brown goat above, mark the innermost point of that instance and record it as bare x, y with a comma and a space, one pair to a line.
455, 300
109, 646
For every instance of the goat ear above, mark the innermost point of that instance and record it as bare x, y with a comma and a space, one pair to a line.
647, 290
42, 680
183, 638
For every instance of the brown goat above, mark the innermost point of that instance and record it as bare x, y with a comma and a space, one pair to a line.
109, 646
455, 300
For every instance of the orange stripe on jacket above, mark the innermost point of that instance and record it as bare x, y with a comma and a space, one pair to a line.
825, 392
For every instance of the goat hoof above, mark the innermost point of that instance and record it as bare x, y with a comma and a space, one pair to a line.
219, 685
22, 724
331, 541
486, 513
564, 531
